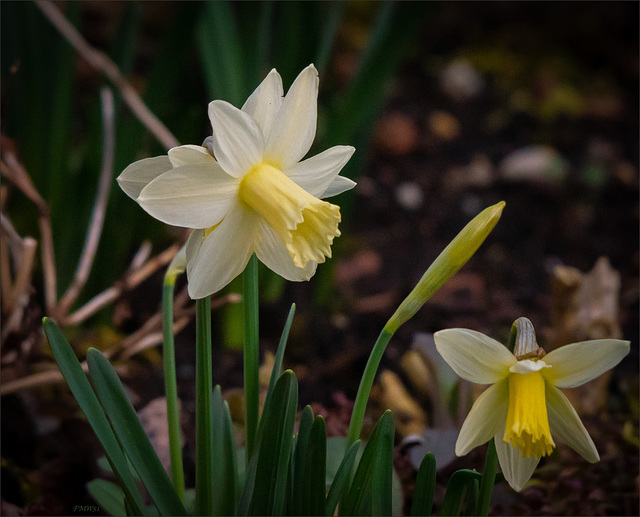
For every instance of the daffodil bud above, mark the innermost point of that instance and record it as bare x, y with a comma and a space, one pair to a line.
177, 267
454, 256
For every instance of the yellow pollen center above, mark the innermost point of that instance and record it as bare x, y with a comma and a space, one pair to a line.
306, 224
527, 422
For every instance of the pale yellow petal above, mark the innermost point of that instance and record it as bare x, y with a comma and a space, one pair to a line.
474, 356
516, 469
486, 418
575, 364
566, 425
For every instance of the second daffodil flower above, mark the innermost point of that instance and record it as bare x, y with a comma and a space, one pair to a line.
524, 409
246, 189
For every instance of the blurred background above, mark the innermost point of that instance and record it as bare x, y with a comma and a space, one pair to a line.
452, 107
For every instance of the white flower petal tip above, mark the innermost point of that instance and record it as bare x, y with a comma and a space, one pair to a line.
237, 139
294, 127
318, 175
474, 356
139, 174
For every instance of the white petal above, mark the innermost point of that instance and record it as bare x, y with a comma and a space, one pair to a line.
575, 364
294, 128
193, 196
264, 103
272, 252
190, 155
565, 423
138, 175
237, 139
474, 356
487, 416
516, 469
315, 174
223, 255
339, 185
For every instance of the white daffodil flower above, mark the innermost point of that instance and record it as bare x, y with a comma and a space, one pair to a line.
524, 407
246, 191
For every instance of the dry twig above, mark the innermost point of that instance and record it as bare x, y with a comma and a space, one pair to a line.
130, 280
99, 208
101, 62
16, 173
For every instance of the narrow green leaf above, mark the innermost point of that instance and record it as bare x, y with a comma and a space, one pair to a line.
329, 31
382, 473
108, 495
314, 477
223, 458
300, 456
88, 402
457, 488
131, 435
171, 384
359, 499
221, 53
341, 478
274, 448
277, 364
425, 486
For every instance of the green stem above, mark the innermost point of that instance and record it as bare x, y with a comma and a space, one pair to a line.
370, 370
251, 352
204, 388
171, 385
488, 479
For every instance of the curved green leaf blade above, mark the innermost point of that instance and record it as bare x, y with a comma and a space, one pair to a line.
382, 474
425, 486
88, 402
457, 489
130, 434
282, 345
300, 457
341, 478
223, 457
359, 499
274, 447
314, 477
108, 495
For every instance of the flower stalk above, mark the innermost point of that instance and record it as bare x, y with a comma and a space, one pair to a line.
176, 267
204, 389
251, 352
